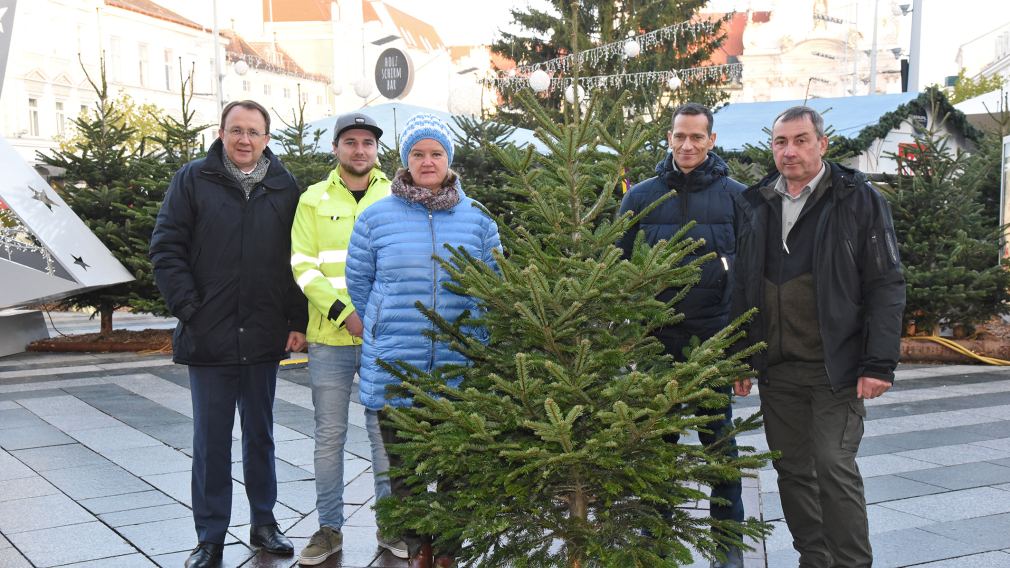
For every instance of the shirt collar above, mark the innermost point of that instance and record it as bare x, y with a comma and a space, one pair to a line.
780, 186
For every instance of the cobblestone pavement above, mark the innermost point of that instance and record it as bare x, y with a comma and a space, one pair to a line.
94, 469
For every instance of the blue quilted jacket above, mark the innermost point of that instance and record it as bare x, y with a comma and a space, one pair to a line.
391, 265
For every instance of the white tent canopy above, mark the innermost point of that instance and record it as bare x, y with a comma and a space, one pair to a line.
980, 110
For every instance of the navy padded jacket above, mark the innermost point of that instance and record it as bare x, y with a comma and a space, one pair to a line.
704, 195
391, 265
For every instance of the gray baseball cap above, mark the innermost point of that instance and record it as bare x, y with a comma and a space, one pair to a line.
356, 120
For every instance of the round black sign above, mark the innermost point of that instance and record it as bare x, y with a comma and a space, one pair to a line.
394, 73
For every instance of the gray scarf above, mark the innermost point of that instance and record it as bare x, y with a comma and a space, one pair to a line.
445, 198
248, 181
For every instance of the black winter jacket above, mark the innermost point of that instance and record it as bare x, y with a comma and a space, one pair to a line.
858, 282
223, 263
705, 195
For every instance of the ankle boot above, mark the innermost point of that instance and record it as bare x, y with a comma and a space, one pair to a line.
422, 559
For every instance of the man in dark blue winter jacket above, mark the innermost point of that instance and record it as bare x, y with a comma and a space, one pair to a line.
705, 195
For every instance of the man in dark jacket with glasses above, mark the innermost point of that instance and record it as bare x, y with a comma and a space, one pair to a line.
221, 251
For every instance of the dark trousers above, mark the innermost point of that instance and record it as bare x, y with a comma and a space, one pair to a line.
818, 431
674, 343
216, 391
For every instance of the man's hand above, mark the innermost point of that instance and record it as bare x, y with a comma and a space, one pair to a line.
741, 387
296, 342
354, 325
868, 387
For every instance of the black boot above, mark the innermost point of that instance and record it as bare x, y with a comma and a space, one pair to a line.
205, 555
271, 539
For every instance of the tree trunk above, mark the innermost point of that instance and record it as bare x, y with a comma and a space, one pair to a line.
105, 312
578, 505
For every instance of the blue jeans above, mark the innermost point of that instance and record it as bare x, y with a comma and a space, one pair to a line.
331, 372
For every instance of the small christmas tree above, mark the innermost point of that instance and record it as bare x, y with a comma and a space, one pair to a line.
552, 451
177, 143
107, 174
300, 149
949, 247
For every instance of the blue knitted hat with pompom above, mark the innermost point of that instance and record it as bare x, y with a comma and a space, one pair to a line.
421, 126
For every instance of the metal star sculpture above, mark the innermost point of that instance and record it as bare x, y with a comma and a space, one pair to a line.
79, 261
43, 197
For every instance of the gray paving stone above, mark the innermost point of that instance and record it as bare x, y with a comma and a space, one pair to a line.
957, 454
67, 544
43, 512
25, 487
11, 558
126, 502
955, 505
32, 437
301, 495
12, 468
771, 506
19, 418
146, 515
88, 482
892, 487
151, 460
59, 457
962, 476
915, 546
887, 464
984, 560
128, 561
4, 543
883, 519
9, 405
296, 452
240, 509
779, 539
177, 485
992, 532
117, 438
285, 472
162, 537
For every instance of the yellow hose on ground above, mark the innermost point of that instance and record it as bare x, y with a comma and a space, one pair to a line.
963, 350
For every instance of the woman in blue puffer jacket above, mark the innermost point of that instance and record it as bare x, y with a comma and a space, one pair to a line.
391, 265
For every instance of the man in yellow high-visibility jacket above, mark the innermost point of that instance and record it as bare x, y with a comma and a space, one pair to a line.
319, 237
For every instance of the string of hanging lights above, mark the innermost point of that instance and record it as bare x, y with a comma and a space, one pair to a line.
541, 81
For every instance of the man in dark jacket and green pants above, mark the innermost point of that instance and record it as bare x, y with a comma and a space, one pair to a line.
221, 251
705, 195
817, 254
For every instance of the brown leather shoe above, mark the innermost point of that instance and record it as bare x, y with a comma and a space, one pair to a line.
422, 559
445, 562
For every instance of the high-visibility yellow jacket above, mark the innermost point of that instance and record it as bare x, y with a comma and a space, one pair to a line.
319, 237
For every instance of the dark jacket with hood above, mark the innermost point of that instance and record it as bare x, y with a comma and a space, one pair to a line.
222, 262
858, 289
704, 195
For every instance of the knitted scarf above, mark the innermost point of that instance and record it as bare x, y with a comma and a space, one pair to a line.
444, 198
251, 180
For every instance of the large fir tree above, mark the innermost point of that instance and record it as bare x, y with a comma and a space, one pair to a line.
106, 176
299, 147
949, 245
546, 34
552, 452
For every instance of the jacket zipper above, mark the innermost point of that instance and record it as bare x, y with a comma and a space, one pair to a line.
852, 252
434, 286
876, 252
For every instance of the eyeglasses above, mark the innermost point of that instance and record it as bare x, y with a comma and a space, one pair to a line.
238, 133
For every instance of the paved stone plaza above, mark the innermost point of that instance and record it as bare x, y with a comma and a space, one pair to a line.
94, 469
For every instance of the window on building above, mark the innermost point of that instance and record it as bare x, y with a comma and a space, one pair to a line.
168, 69
287, 92
33, 117
267, 89
61, 119
246, 86
319, 99
142, 65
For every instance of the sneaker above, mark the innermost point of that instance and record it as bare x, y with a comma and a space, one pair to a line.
395, 546
325, 543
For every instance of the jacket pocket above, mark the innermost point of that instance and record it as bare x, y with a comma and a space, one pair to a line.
378, 314
878, 253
